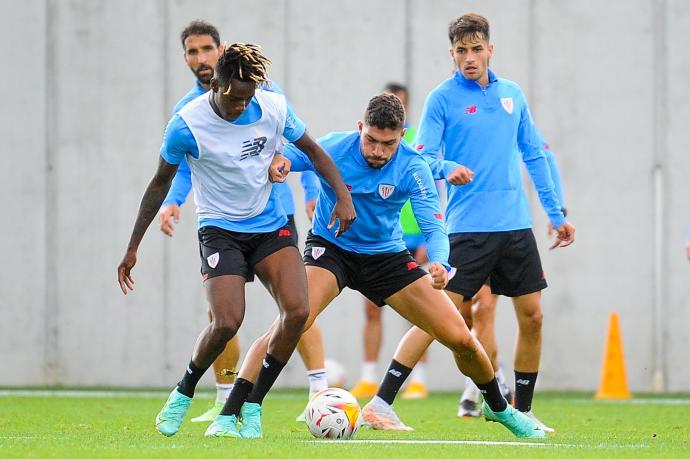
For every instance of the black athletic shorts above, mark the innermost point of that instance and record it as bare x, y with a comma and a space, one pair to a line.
509, 259
375, 276
226, 252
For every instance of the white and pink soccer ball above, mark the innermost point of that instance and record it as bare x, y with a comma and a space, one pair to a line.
333, 413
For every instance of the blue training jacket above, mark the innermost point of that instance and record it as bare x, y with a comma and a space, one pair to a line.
378, 195
490, 131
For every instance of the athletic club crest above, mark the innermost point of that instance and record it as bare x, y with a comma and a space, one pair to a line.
385, 190
316, 252
507, 103
213, 259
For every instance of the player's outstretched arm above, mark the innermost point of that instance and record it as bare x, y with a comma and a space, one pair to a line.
169, 215
344, 210
150, 203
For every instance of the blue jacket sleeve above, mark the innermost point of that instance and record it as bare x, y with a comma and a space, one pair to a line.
530, 145
429, 140
426, 207
440, 168
311, 185
181, 185
300, 161
555, 175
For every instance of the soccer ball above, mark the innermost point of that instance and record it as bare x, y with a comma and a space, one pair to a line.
335, 373
333, 413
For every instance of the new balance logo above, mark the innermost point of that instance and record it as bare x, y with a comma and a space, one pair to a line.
395, 373
471, 110
252, 147
265, 363
523, 382
189, 370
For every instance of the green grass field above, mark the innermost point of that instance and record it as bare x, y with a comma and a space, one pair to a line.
120, 424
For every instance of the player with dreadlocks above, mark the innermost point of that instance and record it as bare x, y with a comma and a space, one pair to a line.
242, 225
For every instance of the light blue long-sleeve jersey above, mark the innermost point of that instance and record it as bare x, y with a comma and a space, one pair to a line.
488, 130
182, 182
378, 195
555, 173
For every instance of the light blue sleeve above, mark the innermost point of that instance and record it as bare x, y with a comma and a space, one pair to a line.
530, 144
555, 174
429, 139
440, 168
426, 207
300, 161
294, 127
181, 185
178, 141
311, 185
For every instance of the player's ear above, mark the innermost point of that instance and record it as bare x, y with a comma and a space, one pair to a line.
214, 84
360, 126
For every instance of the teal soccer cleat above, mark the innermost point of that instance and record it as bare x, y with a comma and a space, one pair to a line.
170, 418
223, 426
518, 423
251, 420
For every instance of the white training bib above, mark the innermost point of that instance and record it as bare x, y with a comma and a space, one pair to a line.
230, 177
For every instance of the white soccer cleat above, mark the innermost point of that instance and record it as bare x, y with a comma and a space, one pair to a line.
540, 424
469, 406
379, 417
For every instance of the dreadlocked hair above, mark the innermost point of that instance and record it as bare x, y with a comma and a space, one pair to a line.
244, 62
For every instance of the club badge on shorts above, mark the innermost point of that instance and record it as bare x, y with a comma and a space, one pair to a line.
213, 260
316, 252
507, 103
386, 190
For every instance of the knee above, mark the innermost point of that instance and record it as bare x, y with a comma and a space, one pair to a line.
531, 323
224, 330
295, 318
461, 342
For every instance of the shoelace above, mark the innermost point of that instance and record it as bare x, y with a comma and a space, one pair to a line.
178, 406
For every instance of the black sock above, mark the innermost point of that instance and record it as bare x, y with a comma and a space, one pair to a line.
492, 396
396, 375
190, 379
524, 390
237, 397
270, 370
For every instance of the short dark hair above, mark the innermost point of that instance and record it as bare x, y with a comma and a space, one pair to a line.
385, 111
244, 62
468, 26
200, 27
394, 87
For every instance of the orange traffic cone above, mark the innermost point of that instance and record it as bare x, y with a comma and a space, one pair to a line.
614, 384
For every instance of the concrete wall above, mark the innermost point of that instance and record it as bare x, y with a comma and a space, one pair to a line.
605, 82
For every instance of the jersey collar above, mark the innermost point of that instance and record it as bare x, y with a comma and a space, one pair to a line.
460, 78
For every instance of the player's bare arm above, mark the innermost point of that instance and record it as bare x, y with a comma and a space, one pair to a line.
344, 210
150, 203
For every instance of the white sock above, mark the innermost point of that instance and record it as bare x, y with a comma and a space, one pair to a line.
317, 380
369, 371
419, 374
223, 392
471, 391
